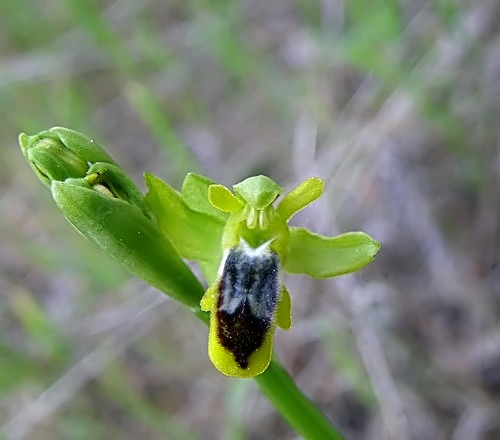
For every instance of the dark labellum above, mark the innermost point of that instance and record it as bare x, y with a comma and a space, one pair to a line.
248, 296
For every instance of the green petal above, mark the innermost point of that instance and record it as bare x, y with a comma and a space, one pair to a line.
258, 191
322, 257
224, 200
195, 194
297, 199
195, 235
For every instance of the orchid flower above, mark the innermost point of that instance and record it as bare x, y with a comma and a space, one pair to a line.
243, 244
240, 239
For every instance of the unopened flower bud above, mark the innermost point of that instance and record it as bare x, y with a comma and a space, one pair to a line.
61, 153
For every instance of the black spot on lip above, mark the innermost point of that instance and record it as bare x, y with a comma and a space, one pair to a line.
241, 333
248, 297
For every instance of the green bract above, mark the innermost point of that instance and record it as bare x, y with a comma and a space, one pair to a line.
104, 205
207, 222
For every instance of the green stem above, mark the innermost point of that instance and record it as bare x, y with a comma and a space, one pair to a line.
294, 406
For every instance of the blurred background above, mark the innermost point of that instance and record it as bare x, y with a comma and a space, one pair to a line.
395, 103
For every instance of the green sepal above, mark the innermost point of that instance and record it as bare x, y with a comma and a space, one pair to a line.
50, 160
301, 196
79, 144
195, 193
195, 235
122, 231
224, 200
258, 191
323, 257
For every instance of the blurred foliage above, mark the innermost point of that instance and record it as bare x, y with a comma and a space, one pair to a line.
395, 105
